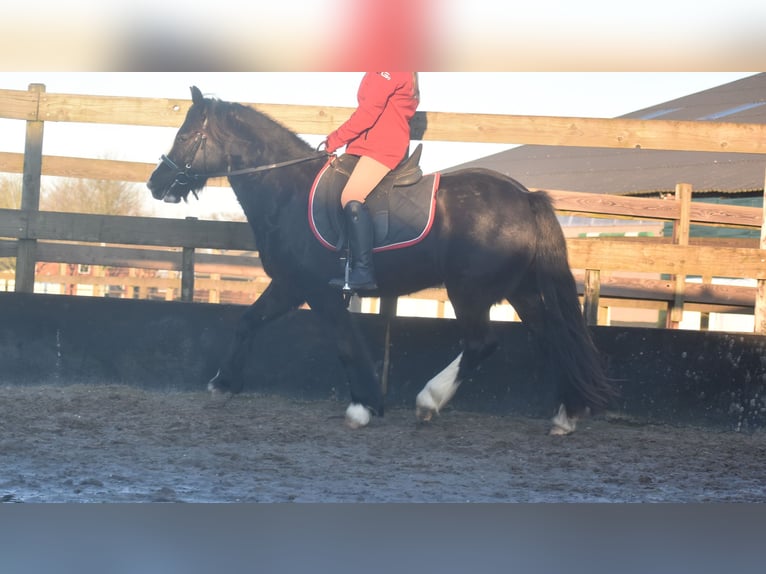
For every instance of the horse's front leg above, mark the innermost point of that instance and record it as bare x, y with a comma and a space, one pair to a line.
273, 303
354, 354
363, 379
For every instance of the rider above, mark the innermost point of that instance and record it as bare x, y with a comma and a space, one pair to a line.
379, 133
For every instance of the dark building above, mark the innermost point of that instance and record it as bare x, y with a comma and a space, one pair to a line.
734, 178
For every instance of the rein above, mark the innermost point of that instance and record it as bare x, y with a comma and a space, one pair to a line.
185, 175
265, 167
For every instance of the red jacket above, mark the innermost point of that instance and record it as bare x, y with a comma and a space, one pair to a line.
380, 126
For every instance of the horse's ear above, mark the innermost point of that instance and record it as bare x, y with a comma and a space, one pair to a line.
197, 96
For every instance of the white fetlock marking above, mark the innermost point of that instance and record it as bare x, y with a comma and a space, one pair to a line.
562, 424
357, 416
211, 387
438, 391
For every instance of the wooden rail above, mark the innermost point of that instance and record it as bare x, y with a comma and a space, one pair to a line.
33, 235
637, 255
442, 126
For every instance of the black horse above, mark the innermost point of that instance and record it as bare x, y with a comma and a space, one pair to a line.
491, 240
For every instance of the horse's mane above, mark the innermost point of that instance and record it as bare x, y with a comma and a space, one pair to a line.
227, 120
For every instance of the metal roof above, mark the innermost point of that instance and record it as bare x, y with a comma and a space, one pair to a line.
645, 172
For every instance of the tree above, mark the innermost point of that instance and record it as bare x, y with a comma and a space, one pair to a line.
10, 192
99, 196
76, 195
226, 216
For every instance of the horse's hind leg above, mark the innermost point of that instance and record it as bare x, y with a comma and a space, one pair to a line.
529, 306
478, 343
438, 391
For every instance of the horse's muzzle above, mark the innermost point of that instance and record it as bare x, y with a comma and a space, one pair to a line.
170, 198
165, 194
177, 189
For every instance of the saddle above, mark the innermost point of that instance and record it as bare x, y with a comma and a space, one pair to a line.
408, 171
402, 205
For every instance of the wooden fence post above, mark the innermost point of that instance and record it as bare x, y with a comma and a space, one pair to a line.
187, 271
705, 315
760, 292
26, 254
214, 294
187, 274
680, 237
387, 310
592, 293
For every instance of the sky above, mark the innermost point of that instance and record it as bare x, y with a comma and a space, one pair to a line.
576, 94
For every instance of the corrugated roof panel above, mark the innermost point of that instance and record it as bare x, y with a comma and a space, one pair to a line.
658, 113
641, 172
732, 111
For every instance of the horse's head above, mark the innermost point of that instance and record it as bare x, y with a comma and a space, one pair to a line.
192, 159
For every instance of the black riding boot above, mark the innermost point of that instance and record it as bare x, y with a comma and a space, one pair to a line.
360, 233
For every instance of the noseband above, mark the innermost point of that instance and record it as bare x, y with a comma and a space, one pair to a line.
186, 178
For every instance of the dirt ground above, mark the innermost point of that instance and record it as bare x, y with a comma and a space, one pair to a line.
91, 443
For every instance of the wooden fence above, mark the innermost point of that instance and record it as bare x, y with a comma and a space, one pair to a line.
32, 235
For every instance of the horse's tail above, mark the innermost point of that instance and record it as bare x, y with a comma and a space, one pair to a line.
567, 339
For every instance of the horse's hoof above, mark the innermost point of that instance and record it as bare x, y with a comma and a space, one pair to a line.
438, 391
562, 424
424, 415
218, 385
357, 416
559, 431
215, 385
214, 389
426, 406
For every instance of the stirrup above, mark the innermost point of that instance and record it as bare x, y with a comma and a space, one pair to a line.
346, 282
340, 283
346, 285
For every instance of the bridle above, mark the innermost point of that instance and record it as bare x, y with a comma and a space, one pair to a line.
187, 178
